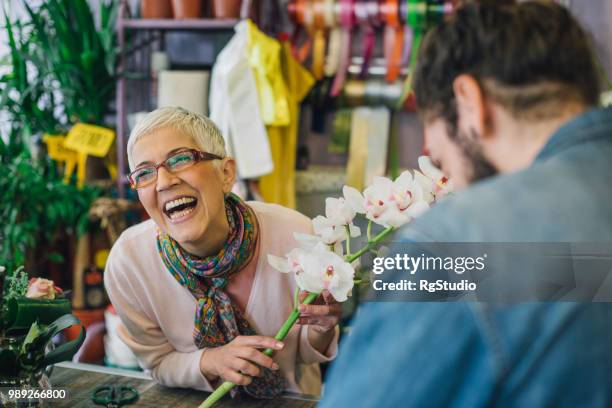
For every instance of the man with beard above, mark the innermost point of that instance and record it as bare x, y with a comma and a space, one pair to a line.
508, 96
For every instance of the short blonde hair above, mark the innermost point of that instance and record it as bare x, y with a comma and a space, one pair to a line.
203, 130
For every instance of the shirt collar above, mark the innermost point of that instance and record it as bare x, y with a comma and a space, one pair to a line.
590, 125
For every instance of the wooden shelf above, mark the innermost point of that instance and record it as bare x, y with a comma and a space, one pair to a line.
175, 24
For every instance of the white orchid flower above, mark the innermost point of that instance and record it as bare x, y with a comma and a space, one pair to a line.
316, 270
408, 196
329, 230
375, 201
308, 242
434, 183
338, 215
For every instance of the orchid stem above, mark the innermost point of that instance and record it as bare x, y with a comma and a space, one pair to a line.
282, 333
370, 245
370, 230
348, 240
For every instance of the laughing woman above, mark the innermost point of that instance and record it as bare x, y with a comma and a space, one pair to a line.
196, 296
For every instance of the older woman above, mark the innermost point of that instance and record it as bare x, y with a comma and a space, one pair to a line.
192, 285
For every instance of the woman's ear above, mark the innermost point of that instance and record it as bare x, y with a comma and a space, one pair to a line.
471, 105
228, 174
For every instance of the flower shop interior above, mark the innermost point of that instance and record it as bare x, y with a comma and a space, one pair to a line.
309, 96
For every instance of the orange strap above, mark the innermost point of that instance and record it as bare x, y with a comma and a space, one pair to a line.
298, 15
318, 52
394, 38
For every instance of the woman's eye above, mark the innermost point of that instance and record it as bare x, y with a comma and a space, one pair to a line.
180, 160
145, 174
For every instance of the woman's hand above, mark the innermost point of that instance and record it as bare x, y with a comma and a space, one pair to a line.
323, 314
238, 360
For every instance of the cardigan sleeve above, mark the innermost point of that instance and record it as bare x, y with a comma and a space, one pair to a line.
145, 338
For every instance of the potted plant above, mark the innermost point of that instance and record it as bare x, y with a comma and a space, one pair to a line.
73, 57
31, 314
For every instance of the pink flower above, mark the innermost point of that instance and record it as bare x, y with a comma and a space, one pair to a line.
39, 288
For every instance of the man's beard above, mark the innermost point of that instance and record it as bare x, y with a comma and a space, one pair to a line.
480, 167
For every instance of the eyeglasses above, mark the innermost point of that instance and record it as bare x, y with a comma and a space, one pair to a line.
178, 161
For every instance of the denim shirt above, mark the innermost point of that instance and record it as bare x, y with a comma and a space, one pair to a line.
469, 354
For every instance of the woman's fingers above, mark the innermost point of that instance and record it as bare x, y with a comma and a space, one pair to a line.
257, 357
263, 342
318, 321
328, 297
321, 310
244, 367
236, 377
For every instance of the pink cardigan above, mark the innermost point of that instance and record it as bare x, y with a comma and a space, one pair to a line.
157, 312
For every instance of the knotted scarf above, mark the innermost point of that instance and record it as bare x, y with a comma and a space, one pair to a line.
217, 320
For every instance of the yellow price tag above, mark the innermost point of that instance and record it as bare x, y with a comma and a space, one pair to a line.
90, 139
100, 258
56, 148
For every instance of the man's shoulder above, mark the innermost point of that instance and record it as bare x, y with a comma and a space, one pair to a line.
549, 200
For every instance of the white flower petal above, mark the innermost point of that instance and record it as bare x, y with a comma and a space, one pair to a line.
429, 169
354, 198
278, 263
417, 208
306, 241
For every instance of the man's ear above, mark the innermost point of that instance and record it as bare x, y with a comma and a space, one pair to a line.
228, 174
471, 105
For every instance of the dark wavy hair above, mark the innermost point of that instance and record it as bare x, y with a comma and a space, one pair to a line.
529, 57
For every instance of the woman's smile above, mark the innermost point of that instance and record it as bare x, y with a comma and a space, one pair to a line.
180, 208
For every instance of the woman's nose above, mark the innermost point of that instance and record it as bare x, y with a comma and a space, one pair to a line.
165, 179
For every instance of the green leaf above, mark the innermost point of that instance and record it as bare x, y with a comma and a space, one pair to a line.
55, 257
34, 332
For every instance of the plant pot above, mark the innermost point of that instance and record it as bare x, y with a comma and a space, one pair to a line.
155, 9
187, 8
226, 8
12, 376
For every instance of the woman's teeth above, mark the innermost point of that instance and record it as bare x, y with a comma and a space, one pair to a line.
180, 201
178, 214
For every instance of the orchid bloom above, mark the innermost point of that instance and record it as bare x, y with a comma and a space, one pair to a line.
39, 288
435, 184
317, 270
338, 215
374, 202
408, 197
389, 203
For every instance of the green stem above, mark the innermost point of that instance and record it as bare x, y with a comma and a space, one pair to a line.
370, 244
282, 333
370, 230
295, 296
348, 240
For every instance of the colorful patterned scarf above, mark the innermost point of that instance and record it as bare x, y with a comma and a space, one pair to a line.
217, 320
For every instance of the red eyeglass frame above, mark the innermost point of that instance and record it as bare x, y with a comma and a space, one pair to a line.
199, 156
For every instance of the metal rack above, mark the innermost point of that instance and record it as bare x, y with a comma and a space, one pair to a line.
133, 84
